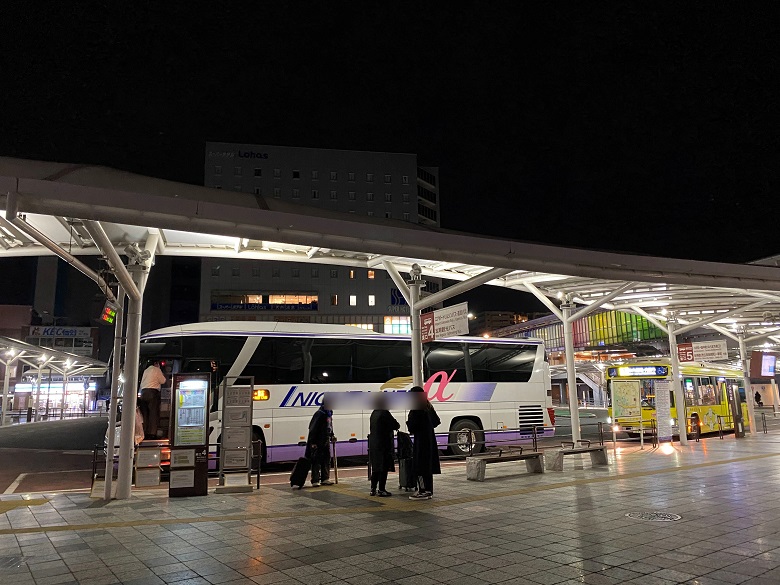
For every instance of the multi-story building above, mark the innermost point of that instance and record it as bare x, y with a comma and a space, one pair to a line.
371, 184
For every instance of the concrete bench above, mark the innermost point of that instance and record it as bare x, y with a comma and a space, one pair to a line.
598, 454
475, 466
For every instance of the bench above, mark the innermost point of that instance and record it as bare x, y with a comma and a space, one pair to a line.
475, 466
598, 454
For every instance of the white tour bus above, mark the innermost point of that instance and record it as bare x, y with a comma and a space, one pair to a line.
474, 383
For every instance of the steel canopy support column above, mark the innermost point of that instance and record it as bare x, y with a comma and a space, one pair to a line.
38, 393
743, 357
6, 382
416, 283
112, 406
129, 399
679, 395
571, 374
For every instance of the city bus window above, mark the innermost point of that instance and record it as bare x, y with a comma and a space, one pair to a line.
690, 392
380, 361
222, 349
708, 392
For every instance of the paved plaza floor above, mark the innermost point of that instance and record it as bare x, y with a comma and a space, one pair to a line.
556, 527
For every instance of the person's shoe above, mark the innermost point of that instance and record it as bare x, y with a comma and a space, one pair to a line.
326, 482
384, 494
315, 484
421, 496
373, 493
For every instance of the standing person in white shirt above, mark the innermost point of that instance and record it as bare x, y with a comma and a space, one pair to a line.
149, 403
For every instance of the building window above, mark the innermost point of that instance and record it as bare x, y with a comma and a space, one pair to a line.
276, 272
333, 195
406, 216
277, 173
388, 215
406, 197
296, 272
388, 197
217, 170
371, 300
215, 271
315, 194
388, 178
334, 273
405, 179
236, 271
296, 174
287, 299
352, 274
296, 193
258, 191
255, 272
334, 176
398, 324
258, 172
371, 274
315, 175
353, 300
351, 177
334, 300
351, 195
369, 196
277, 192
237, 171
370, 214
369, 177
315, 272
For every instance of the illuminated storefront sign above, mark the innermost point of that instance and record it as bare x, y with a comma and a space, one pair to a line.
639, 372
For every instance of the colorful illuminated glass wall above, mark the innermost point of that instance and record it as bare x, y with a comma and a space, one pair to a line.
600, 329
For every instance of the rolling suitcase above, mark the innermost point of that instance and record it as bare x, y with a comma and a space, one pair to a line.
300, 472
406, 478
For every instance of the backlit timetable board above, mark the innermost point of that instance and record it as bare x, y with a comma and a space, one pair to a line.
190, 409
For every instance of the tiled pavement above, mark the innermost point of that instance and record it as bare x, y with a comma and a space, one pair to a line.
546, 529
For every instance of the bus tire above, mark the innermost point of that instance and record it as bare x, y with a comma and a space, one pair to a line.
458, 437
258, 435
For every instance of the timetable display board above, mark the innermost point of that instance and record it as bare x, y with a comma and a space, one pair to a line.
236, 444
189, 435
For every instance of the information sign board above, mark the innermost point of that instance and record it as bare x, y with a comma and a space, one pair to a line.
663, 409
626, 400
446, 322
702, 351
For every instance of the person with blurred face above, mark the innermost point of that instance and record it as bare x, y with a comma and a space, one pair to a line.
380, 446
421, 423
318, 444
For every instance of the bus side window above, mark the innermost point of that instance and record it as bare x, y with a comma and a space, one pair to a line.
332, 361
276, 360
690, 392
446, 357
380, 361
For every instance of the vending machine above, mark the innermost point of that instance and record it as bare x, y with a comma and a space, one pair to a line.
189, 435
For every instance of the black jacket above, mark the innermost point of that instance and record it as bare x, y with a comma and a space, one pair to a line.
426, 452
380, 445
319, 432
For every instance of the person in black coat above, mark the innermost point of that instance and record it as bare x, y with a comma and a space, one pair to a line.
380, 446
318, 444
421, 423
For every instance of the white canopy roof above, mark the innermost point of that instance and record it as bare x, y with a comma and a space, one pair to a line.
199, 221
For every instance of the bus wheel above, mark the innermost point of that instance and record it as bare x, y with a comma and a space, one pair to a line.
459, 438
257, 435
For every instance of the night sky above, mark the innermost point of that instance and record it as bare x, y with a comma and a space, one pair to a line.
638, 127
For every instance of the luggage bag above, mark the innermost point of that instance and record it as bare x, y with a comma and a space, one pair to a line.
300, 472
406, 477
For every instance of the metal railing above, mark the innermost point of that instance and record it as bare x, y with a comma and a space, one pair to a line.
728, 422
25, 416
763, 422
